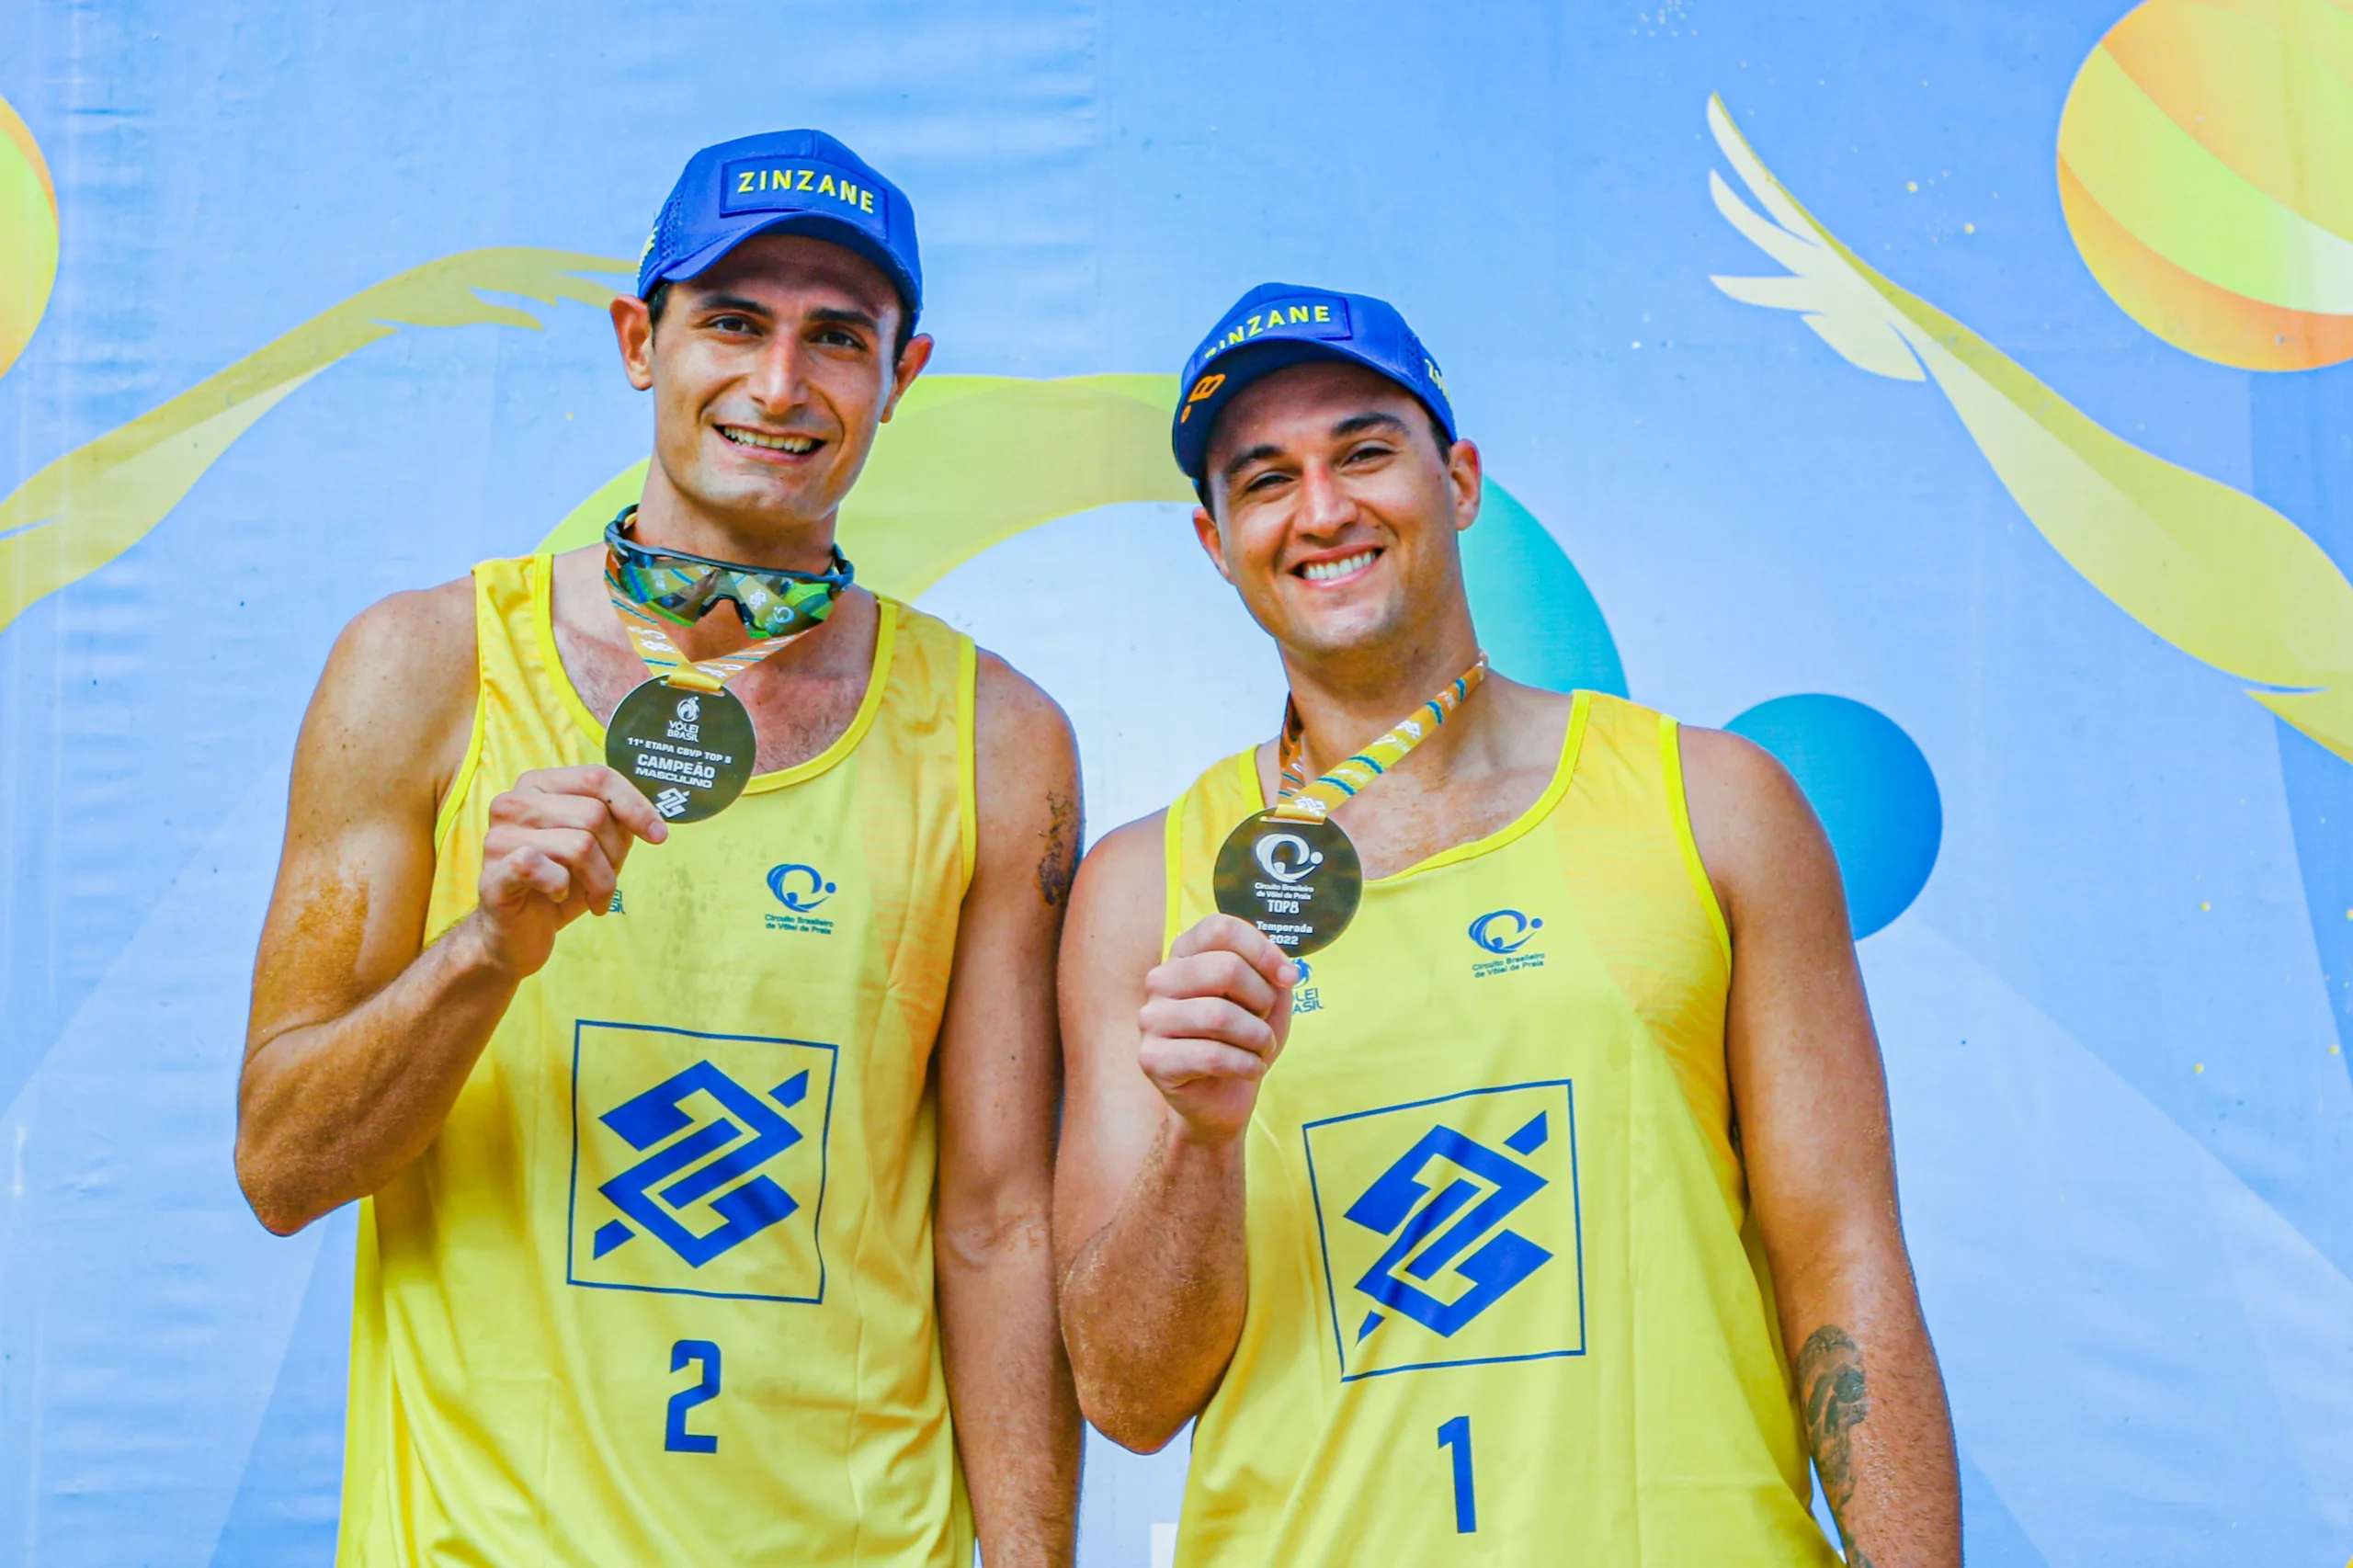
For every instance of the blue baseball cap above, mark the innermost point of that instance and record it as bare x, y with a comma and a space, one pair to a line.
798, 182
1281, 325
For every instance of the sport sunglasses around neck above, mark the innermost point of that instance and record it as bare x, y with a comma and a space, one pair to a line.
682, 589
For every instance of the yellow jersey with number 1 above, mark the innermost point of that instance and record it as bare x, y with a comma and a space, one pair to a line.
661, 1290
1507, 1304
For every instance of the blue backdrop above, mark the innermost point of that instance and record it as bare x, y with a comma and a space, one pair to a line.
2109, 899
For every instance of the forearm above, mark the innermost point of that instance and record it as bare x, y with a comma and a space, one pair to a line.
330, 1111
1009, 1384
1876, 1421
1152, 1303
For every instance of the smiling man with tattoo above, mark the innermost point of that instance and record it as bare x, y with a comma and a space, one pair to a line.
1477, 1236
712, 1228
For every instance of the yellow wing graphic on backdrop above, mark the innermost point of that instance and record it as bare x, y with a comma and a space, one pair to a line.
969, 461
100, 499
2210, 569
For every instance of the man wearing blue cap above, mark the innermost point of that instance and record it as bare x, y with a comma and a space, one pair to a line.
1470, 1091
712, 1228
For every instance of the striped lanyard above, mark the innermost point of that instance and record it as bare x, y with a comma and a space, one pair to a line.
1302, 801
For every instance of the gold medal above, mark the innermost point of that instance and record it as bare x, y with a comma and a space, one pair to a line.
1299, 882
1289, 870
690, 752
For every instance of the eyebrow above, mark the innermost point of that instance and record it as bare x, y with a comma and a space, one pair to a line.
1241, 461
1354, 425
736, 304
838, 316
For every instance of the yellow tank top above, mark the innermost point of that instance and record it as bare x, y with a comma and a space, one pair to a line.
1506, 1305
660, 1292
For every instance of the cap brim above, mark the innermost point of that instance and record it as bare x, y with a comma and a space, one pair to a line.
1243, 365
817, 227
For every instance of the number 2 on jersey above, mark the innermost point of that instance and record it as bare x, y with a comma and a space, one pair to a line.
675, 1438
1456, 1435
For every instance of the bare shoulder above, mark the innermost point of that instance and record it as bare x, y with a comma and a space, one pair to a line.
1025, 782
396, 703
1757, 834
420, 623
1027, 761
1534, 715
1012, 709
1122, 885
1733, 777
1127, 850
409, 657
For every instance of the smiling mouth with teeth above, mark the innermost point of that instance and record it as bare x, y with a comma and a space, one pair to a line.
1329, 570
794, 446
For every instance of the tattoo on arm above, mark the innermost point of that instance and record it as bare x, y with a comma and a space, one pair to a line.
1830, 1376
1059, 863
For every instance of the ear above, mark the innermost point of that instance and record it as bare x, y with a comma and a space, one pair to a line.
1464, 473
910, 366
1212, 543
633, 331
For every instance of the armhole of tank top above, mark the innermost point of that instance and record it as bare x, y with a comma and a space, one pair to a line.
1254, 785
1172, 872
1670, 752
461, 784
968, 720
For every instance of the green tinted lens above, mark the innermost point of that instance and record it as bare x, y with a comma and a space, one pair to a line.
671, 592
683, 588
770, 605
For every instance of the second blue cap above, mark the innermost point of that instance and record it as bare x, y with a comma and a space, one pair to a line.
1281, 325
801, 182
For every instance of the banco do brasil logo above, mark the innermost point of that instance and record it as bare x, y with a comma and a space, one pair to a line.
657, 1192
1457, 1236
1414, 1213
698, 1162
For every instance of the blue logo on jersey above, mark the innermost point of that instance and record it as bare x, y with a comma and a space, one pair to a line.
1457, 1225
1449, 1229
713, 1168
800, 888
1305, 997
1504, 931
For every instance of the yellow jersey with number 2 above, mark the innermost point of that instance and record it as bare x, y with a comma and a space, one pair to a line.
660, 1292
1507, 1304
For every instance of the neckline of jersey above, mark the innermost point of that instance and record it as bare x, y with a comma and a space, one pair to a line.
877, 680
1563, 771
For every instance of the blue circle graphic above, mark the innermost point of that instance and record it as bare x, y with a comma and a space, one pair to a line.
1871, 786
1536, 616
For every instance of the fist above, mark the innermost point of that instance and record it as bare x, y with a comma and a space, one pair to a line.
555, 847
1214, 1019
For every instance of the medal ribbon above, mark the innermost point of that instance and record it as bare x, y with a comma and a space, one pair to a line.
1302, 801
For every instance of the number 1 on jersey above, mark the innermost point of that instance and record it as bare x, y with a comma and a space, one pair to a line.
675, 1438
1456, 1435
